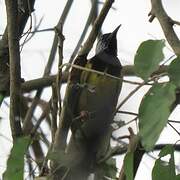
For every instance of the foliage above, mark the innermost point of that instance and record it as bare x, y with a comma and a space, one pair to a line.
155, 108
165, 169
174, 73
128, 165
15, 163
1, 98
147, 58
154, 112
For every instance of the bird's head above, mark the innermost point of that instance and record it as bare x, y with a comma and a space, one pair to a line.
108, 43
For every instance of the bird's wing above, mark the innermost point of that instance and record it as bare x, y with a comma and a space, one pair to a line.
70, 101
75, 73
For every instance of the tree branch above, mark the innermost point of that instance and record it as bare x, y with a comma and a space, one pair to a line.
46, 81
97, 25
4, 54
89, 20
15, 68
166, 23
49, 64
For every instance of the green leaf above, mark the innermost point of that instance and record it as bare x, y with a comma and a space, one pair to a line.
163, 170
168, 149
154, 111
178, 177
1, 98
128, 165
148, 57
15, 163
174, 71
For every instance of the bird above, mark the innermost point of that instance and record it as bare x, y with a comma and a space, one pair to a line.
100, 93
89, 106
94, 103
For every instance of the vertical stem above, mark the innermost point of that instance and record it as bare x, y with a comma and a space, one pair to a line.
54, 110
61, 38
55, 41
91, 18
15, 68
96, 27
48, 66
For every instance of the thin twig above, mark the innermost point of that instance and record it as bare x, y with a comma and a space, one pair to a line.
90, 70
88, 22
167, 60
155, 77
135, 119
44, 165
133, 82
41, 30
160, 146
128, 96
61, 39
54, 110
48, 66
173, 121
127, 112
32, 33
30, 26
46, 81
174, 128
66, 173
43, 115
30, 111
62, 20
176, 22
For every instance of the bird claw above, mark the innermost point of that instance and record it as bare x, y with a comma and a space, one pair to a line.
84, 115
89, 87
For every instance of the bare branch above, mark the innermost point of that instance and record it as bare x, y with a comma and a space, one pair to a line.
55, 41
176, 22
39, 83
61, 38
54, 110
167, 25
89, 20
49, 64
46, 81
174, 128
42, 117
97, 25
4, 54
15, 68
128, 70
41, 30
128, 96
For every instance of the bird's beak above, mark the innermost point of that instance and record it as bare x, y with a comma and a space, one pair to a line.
112, 35
115, 31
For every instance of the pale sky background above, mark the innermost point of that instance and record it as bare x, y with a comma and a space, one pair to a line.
133, 15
